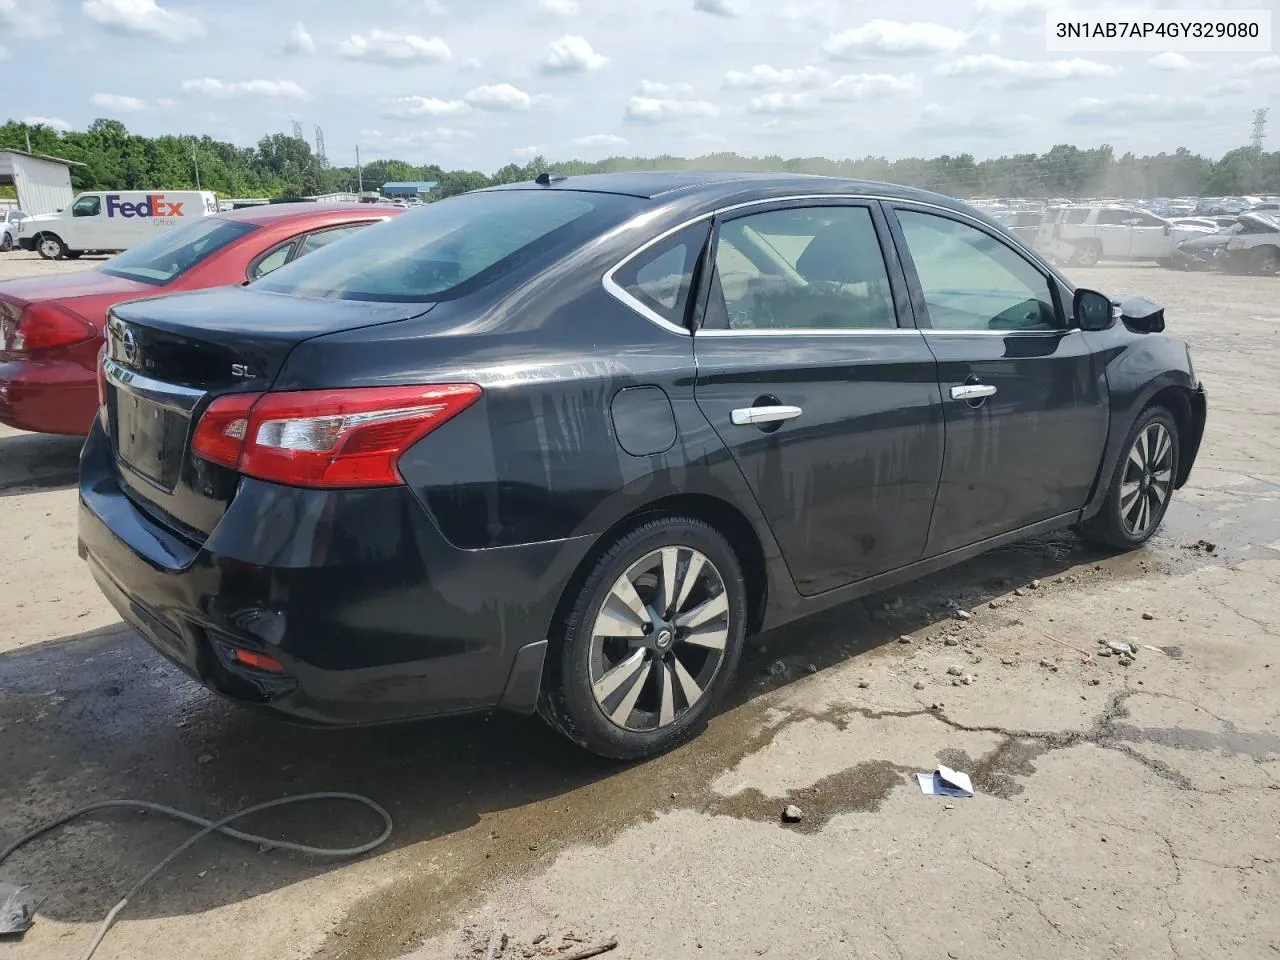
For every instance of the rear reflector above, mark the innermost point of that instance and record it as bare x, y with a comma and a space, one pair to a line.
44, 325
326, 438
258, 661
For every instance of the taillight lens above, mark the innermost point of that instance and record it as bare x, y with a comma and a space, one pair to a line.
326, 438
44, 325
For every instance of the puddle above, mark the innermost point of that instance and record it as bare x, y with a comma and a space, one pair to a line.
1230, 742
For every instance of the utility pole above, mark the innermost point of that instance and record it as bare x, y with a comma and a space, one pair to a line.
195, 160
27, 131
1259, 129
359, 176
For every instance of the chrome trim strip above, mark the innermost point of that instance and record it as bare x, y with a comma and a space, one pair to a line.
808, 332
169, 395
618, 293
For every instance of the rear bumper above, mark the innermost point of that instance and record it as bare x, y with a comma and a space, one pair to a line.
373, 615
48, 396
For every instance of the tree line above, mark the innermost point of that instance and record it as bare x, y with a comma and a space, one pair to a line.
281, 165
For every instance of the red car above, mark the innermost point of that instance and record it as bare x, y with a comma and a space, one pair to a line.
51, 327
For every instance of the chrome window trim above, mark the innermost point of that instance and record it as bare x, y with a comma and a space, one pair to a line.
169, 395
615, 290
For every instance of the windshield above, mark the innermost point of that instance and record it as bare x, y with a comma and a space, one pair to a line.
168, 256
452, 247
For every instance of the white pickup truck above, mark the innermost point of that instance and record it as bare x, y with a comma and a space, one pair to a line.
111, 221
1083, 234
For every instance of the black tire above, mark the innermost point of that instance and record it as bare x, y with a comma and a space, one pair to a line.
1088, 254
1113, 525
50, 246
73, 254
567, 701
6, 243
1266, 261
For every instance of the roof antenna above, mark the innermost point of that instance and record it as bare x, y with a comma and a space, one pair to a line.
548, 178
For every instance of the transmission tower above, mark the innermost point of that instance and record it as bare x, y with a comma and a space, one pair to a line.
319, 142
297, 130
1259, 129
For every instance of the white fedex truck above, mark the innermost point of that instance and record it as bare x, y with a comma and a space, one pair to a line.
110, 221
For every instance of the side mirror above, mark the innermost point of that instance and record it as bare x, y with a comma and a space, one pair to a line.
1092, 310
1142, 315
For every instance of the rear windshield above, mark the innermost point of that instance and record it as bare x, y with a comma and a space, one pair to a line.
449, 248
174, 252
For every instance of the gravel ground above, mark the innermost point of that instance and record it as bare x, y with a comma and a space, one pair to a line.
1122, 811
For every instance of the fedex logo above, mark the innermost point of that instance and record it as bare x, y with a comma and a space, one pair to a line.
154, 206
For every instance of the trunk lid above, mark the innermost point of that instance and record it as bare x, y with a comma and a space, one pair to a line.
65, 286
168, 359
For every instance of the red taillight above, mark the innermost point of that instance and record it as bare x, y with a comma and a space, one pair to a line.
44, 325
326, 438
258, 661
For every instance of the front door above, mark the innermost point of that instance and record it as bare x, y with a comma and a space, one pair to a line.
810, 371
1152, 238
1025, 401
1116, 235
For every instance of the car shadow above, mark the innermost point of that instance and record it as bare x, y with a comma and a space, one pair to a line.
30, 462
99, 715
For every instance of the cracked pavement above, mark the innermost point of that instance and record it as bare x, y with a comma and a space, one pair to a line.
1121, 811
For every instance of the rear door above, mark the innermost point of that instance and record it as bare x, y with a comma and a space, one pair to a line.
811, 372
1026, 407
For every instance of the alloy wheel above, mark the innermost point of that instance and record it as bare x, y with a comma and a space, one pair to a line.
50, 249
659, 638
1147, 480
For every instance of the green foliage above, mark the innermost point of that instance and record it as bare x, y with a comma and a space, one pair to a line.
282, 165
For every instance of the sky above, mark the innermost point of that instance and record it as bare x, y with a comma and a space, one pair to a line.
482, 83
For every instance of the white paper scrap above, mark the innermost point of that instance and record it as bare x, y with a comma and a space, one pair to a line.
945, 782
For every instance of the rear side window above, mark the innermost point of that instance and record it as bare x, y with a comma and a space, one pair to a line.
322, 238
454, 247
164, 258
1076, 216
661, 277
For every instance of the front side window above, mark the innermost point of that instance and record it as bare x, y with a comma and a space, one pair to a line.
804, 268
972, 281
87, 207
1113, 218
450, 248
162, 259
661, 277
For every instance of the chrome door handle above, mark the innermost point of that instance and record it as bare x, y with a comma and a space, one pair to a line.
972, 391
745, 416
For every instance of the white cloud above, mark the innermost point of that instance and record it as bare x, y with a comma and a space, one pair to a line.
1025, 13
1137, 108
599, 140
404, 108
53, 123
850, 87
434, 137
719, 8
435, 8
144, 17
991, 66
1229, 88
118, 102
1171, 61
299, 41
1269, 64
891, 38
764, 77
655, 109
499, 97
528, 153
945, 121
560, 8
864, 86
399, 49
650, 88
29, 18
4, 52
571, 54
267, 89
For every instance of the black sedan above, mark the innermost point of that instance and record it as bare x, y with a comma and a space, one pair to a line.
559, 446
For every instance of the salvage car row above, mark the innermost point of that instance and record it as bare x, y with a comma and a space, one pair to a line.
560, 446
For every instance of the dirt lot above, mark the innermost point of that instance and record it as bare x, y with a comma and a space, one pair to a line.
1121, 812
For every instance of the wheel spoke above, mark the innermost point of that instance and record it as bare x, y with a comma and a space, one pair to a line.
621, 715
618, 675
1132, 512
691, 575
1162, 476
1157, 491
625, 591
717, 605
713, 637
616, 619
667, 710
670, 562
1135, 455
1143, 511
690, 687
1127, 492
1162, 446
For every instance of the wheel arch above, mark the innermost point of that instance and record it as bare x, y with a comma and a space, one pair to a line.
1188, 409
722, 516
